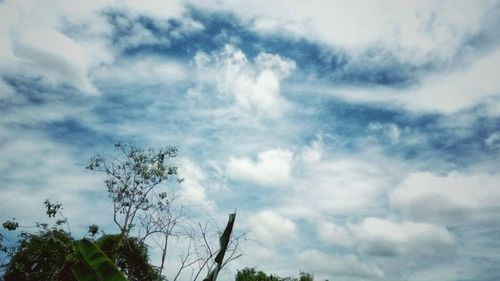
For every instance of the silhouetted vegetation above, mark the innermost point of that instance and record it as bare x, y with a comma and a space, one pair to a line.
250, 274
143, 209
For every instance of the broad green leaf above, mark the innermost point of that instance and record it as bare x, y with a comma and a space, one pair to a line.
99, 262
83, 272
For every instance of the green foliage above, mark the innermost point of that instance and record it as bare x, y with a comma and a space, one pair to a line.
42, 256
51, 255
131, 257
10, 225
82, 271
93, 229
304, 276
250, 274
131, 178
52, 209
93, 262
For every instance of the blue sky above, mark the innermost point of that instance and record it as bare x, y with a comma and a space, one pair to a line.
357, 140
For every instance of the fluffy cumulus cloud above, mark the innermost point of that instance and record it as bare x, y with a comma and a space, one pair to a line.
334, 234
382, 237
455, 194
336, 185
270, 227
193, 187
253, 85
272, 167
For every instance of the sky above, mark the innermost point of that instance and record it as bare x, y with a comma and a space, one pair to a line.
357, 140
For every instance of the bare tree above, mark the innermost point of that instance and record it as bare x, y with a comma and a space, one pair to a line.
208, 246
161, 222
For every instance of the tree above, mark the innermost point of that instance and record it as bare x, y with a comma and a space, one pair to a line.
51, 252
131, 257
143, 207
41, 256
163, 220
146, 214
250, 274
304, 276
131, 177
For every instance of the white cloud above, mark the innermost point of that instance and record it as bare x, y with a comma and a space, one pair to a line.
313, 152
36, 48
270, 228
460, 89
334, 234
254, 86
193, 188
34, 169
428, 195
271, 167
384, 237
417, 31
52, 55
42, 47
333, 266
159, 10
445, 92
8, 19
143, 71
340, 185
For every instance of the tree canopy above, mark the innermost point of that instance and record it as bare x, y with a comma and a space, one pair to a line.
251, 274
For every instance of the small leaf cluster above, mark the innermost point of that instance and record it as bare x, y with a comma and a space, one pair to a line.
11, 224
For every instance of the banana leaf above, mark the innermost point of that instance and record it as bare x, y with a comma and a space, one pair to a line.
94, 265
224, 242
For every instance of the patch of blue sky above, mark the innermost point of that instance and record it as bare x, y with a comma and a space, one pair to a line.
39, 90
351, 122
32, 89
255, 196
74, 133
